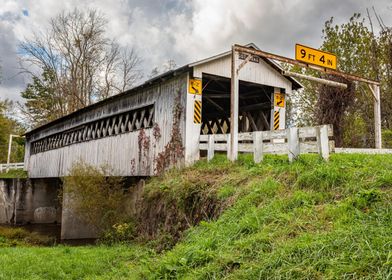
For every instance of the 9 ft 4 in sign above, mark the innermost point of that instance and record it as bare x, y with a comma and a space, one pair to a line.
316, 57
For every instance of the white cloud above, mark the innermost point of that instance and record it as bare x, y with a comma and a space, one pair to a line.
182, 30
9, 92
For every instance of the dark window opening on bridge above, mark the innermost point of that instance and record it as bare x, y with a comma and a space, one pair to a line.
129, 121
254, 106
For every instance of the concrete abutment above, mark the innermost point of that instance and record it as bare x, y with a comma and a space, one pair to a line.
36, 201
29, 201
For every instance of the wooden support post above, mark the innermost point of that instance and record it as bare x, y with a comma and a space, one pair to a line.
377, 117
234, 101
314, 79
210, 147
323, 141
258, 146
293, 143
261, 53
251, 121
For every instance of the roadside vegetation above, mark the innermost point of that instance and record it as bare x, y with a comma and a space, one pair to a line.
273, 220
13, 174
98, 200
9, 125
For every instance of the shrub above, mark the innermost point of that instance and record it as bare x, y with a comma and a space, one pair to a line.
98, 199
119, 233
12, 236
13, 233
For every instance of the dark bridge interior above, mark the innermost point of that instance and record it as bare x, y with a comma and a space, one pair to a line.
254, 106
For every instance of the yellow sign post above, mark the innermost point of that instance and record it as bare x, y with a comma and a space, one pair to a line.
316, 57
195, 86
279, 99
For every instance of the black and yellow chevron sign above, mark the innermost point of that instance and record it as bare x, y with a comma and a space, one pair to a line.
197, 112
276, 120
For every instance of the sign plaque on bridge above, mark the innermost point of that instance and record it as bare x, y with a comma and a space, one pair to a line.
316, 57
195, 86
279, 99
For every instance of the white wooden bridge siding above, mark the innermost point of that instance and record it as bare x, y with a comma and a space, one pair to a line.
121, 151
259, 73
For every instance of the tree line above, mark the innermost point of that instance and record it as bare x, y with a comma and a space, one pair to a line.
363, 51
8, 125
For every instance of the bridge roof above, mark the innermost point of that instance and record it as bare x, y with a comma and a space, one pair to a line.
160, 78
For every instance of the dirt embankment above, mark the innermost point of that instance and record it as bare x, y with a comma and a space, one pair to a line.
165, 206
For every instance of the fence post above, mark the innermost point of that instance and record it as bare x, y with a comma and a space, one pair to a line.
293, 143
323, 142
228, 146
210, 147
257, 146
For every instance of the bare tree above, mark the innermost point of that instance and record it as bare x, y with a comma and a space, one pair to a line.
84, 65
165, 67
169, 65
332, 104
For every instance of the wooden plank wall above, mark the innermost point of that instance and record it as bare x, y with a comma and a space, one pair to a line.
121, 151
259, 73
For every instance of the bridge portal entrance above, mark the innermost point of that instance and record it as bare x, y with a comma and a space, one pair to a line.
255, 105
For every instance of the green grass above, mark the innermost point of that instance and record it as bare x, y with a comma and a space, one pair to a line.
307, 220
62, 262
13, 174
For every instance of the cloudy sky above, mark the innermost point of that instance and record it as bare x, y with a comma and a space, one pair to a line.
182, 30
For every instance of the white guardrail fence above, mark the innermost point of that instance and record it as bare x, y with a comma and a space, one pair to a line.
368, 151
4, 166
292, 141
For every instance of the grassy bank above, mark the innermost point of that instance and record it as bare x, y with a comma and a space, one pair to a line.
307, 220
62, 262
13, 174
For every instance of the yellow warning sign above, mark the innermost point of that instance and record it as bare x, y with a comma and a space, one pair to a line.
276, 120
279, 99
195, 86
197, 112
316, 57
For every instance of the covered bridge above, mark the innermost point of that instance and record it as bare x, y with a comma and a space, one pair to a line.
146, 129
